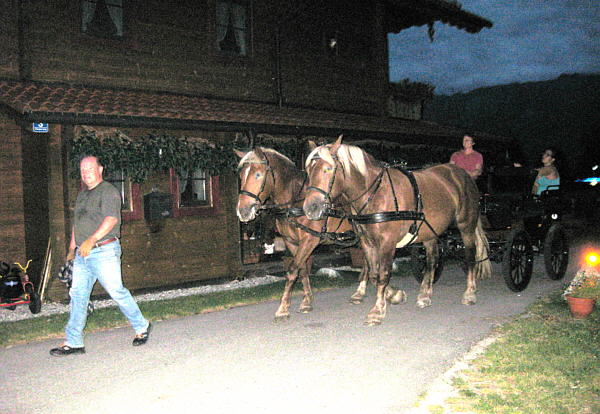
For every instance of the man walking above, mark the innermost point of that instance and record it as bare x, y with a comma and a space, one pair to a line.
96, 251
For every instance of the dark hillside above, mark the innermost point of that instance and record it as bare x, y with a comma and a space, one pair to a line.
564, 112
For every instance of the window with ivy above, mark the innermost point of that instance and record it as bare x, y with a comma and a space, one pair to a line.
193, 189
119, 180
194, 193
130, 194
102, 18
232, 27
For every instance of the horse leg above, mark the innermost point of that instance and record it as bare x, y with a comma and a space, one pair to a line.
283, 311
432, 258
361, 290
382, 263
395, 296
298, 267
469, 297
306, 248
366, 274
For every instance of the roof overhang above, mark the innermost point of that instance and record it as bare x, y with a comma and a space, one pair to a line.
402, 14
126, 108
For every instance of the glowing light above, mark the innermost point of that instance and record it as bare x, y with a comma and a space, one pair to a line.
590, 180
592, 258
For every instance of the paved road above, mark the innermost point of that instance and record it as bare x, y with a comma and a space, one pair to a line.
238, 361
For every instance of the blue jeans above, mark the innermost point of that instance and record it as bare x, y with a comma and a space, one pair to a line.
102, 264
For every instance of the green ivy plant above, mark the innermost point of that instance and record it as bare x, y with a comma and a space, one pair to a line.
151, 154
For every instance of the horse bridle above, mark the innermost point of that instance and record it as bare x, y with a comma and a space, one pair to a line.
329, 206
264, 182
326, 194
415, 215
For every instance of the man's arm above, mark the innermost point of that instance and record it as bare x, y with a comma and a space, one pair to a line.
105, 227
476, 172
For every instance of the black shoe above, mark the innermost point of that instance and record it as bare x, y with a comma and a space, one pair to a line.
66, 350
142, 338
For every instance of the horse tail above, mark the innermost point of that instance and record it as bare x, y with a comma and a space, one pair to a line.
483, 264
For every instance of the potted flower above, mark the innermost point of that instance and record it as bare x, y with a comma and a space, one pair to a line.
583, 292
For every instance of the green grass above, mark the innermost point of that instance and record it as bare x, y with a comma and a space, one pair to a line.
543, 362
34, 329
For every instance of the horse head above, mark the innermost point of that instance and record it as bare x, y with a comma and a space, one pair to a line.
325, 179
256, 180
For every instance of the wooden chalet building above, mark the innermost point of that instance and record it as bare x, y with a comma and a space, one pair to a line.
207, 70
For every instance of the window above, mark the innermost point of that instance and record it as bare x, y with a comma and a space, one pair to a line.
192, 188
232, 27
194, 193
102, 18
131, 201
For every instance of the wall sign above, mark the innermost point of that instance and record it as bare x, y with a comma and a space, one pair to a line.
40, 127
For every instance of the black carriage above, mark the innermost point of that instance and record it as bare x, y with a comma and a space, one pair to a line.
518, 226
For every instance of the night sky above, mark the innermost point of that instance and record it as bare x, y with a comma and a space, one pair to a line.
531, 40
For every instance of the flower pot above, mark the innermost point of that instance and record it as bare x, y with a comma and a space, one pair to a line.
580, 307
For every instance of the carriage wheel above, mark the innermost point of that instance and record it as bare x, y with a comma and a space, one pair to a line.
419, 261
517, 263
556, 252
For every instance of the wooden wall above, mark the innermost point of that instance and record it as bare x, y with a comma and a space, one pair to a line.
12, 217
172, 48
9, 38
185, 249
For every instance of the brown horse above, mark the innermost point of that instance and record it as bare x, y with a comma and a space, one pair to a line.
265, 174
348, 175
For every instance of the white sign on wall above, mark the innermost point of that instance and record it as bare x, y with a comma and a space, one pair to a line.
40, 127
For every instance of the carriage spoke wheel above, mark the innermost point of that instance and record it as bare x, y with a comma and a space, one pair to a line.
419, 261
518, 261
556, 252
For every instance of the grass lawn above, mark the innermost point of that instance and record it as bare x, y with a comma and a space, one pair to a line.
544, 362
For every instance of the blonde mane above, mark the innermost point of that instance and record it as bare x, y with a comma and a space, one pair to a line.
251, 157
349, 156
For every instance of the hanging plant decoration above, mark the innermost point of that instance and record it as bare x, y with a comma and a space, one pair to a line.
151, 154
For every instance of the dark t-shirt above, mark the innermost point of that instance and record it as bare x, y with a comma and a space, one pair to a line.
92, 206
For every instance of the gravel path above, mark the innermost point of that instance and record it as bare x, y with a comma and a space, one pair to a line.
52, 308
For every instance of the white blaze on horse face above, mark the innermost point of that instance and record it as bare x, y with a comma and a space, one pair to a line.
246, 172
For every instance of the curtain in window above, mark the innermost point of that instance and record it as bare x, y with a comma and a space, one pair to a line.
198, 184
102, 17
239, 21
222, 20
228, 13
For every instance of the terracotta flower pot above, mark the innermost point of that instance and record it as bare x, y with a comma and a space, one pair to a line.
580, 307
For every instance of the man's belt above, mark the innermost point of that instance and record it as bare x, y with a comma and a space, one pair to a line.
107, 241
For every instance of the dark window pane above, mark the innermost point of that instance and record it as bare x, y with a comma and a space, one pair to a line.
102, 18
193, 188
232, 27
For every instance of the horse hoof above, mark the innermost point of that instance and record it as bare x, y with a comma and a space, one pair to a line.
469, 302
281, 318
423, 303
355, 301
305, 309
373, 322
398, 297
